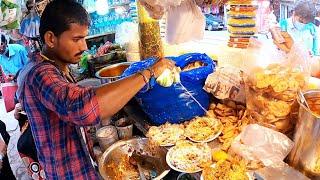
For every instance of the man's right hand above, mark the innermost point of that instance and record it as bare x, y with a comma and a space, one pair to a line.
161, 65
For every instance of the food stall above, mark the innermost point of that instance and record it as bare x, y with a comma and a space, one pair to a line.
228, 111
253, 126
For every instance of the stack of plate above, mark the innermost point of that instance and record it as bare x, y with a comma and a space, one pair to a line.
241, 22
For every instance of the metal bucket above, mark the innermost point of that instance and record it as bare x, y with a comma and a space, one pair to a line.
305, 155
113, 72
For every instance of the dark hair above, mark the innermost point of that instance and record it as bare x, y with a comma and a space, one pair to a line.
59, 14
3, 38
305, 9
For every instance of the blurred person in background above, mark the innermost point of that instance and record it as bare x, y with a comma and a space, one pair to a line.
26, 146
301, 26
5, 169
12, 58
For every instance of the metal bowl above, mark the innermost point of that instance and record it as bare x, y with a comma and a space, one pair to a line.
115, 153
112, 72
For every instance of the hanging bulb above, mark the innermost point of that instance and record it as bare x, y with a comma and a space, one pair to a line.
102, 7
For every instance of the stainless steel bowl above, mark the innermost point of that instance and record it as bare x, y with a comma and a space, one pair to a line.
112, 72
117, 151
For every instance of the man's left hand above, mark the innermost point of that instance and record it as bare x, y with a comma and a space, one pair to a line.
287, 44
10, 77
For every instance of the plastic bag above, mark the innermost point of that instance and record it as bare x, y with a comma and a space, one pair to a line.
185, 23
226, 83
281, 171
185, 20
150, 37
156, 8
272, 82
258, 143
9, 15
126, 33
174, 104
30, 25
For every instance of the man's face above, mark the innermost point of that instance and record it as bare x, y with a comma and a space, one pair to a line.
300, 19
71, 44
3, 47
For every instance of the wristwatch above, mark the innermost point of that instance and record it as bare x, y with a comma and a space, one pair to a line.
1, 157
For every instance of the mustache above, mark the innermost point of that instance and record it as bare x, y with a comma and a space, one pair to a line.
79, 53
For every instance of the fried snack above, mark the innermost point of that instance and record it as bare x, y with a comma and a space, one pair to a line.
122, 169
242, 14
242, 30
231, 169
193, 65
219, 155
235, 22
240, 3
241, 45
150, 40
272, 94
233, 118
189, 157
316, 168
202, 129
314, 104
167, 134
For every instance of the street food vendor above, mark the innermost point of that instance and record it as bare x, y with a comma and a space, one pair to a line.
60, 110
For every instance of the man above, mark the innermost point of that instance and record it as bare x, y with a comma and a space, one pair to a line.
13, 57
57, 108
300, 26
5, 169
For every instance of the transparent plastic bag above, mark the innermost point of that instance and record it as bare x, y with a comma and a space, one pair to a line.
30, 25
158, 7
281, 171
127, 33
150, 37
10, 14
226, 83
272, 81
185, 23
258, 143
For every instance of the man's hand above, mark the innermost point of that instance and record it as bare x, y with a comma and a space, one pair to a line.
10, 77
17, 110
287, 43
161, 65
3, 148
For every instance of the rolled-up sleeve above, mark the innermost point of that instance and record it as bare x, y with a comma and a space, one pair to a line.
71, 102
